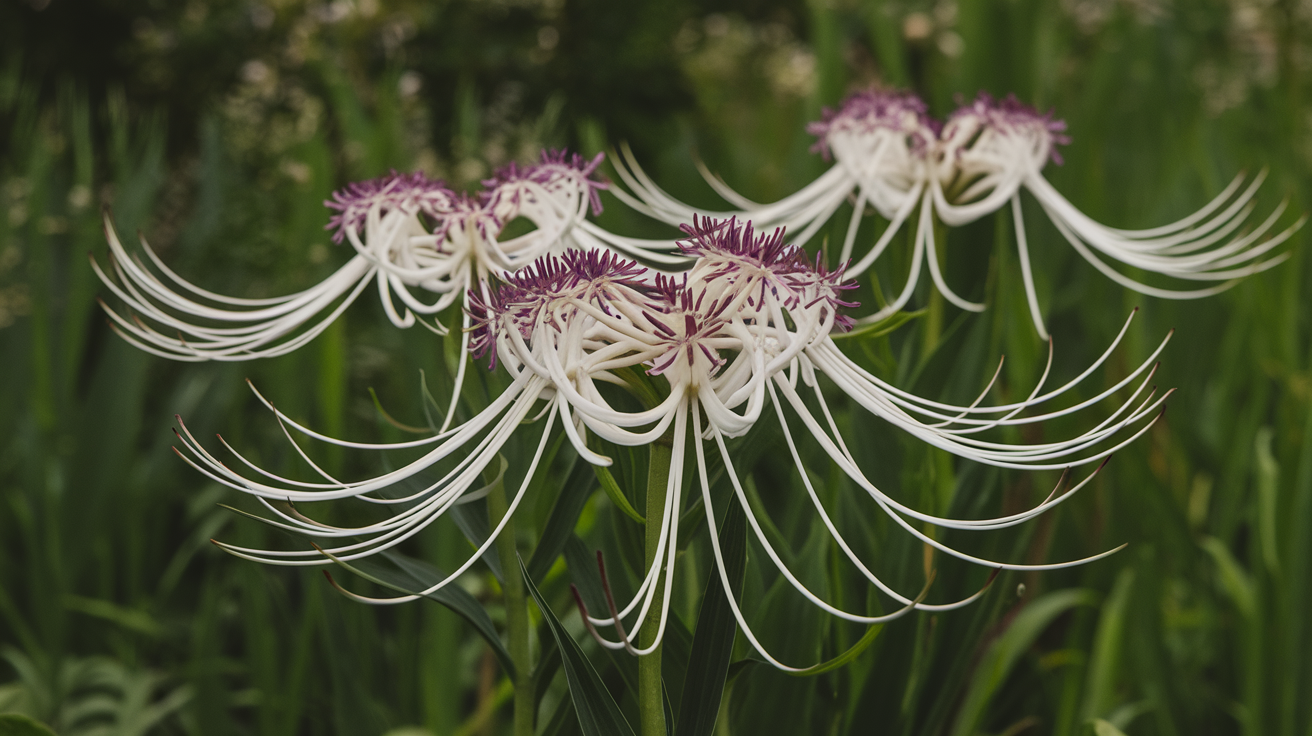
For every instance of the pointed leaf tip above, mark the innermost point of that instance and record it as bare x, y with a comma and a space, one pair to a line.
597, 712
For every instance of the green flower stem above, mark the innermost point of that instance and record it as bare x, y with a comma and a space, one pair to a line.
933, 323
512, 589
651, 697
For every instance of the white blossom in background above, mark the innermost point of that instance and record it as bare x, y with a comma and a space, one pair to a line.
422, 245
743, 335
889, 154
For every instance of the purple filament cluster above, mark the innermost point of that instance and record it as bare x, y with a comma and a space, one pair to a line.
413, 192
553, 166
416, 193
544, 292
1011, 113
905, 112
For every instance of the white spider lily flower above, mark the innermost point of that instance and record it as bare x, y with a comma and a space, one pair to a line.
881, 141
423, 245
890, 155
382, 219
991, 148
747, 328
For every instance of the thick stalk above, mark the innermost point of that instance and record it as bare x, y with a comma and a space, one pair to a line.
651, 698
512, 589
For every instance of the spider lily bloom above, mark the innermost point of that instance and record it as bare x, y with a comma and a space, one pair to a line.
747, 328
991, 148
890, 155
380, 218
410, 234
881, 142
555, 195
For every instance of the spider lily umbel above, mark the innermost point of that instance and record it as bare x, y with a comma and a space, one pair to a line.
743, 337
411, 236
423, 246
890, 155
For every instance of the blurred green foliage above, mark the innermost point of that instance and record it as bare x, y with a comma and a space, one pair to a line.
216, 128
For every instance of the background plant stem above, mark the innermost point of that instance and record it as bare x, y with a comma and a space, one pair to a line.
651, 699
933, 322
516, 613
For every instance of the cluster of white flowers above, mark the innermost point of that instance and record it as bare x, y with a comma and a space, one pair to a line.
743, 329
747, 327
410, 234
891, 155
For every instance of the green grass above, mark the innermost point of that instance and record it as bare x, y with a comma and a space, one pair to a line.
116, 609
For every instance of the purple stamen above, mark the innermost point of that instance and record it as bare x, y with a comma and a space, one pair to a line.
1010, 112
413, 192
872, 109
552, 166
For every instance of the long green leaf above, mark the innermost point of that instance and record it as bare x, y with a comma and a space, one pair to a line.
881, 328
1106, 728
1108, 643
1298, 551
583, 572
712, 642
843, 658
868, 638
1235, 581
616, 494
13, 724
1001, 656
472, 519
411, 576
596, 709
548, 663
564, 516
